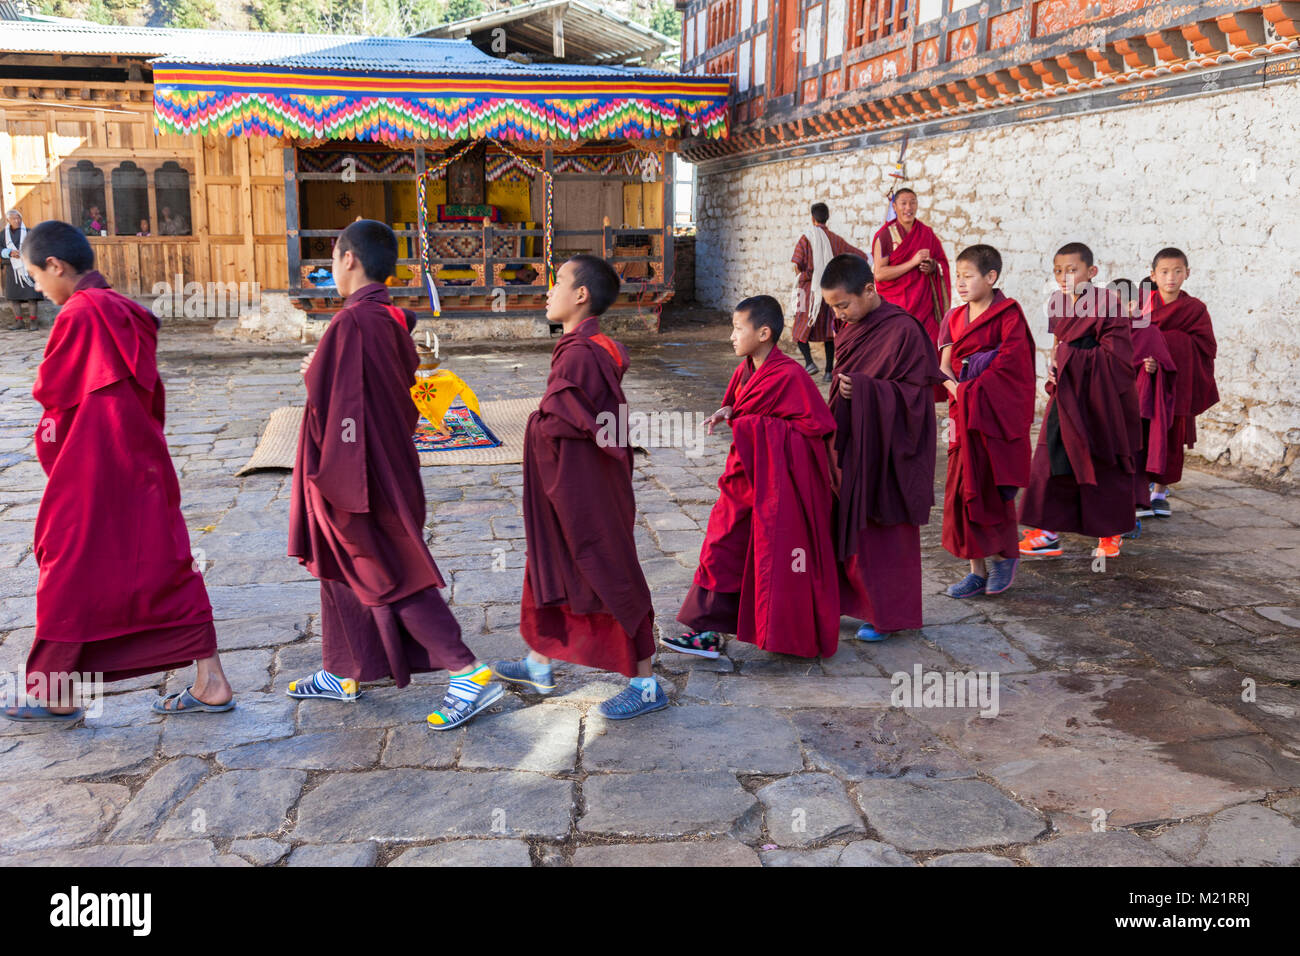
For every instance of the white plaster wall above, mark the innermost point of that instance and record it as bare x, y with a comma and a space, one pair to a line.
1218, 176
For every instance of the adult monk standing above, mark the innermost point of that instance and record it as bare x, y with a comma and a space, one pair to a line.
813, 321
910, 266
118, 595
883, 403
767, 567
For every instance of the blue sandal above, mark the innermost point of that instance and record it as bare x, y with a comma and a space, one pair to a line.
631, 702
34, 713
325, 686
187, 703
455, 711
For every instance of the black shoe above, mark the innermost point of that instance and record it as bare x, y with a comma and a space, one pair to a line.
829, 376
1160, 508
810, 368
1144, 511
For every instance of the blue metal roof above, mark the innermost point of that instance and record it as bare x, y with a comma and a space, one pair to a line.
285, 50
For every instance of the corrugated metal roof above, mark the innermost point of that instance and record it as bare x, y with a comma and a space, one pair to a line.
284, 50
591, 34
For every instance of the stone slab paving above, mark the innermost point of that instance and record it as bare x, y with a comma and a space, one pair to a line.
1147, 713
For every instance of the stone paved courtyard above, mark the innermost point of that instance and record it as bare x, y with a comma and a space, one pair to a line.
1149, 713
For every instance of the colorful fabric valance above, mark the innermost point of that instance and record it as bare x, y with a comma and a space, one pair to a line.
385, 107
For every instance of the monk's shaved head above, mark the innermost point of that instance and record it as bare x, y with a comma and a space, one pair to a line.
849, 273
53, 239
374, 245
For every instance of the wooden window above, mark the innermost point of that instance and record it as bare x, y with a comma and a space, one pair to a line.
130, 200
870, 20
86, 202
171, 186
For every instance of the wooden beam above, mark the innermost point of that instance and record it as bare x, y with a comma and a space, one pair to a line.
1136, 53
1285, 18
1169, 45
292, 224
557, 30
1243, 29
1206, 38
1106, 59
1077, 66
1050, 71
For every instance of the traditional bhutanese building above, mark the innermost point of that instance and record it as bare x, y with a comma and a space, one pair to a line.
1125, 124
237, 157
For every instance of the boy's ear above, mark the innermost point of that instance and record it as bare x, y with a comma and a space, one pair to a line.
1092, 272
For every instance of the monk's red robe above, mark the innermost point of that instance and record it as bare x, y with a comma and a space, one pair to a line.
1185, 324
585, 597
1155, 392
117, 593
989, 422
1082, 476
885, 438
357, 514
767, 568
822, 326
925, 297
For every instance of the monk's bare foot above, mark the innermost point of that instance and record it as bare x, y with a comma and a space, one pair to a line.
214, 690
14, 711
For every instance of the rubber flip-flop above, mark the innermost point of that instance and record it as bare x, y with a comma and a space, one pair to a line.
30, 713
189, 704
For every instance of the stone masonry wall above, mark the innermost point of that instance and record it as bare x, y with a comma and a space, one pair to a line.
1217, 176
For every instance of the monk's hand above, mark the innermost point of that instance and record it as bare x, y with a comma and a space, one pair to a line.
951, 386
927, 266
306, 362
846, 387
1149, 364
721, 416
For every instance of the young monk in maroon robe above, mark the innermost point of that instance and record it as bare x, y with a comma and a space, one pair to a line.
1185, 324
585, 598
911, 268
987, 353
118, 594
767, 568
356, 519
885, 434
1082, 475
813, 321
1156, 372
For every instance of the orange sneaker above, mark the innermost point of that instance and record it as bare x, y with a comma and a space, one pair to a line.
1042, 543
1108, 547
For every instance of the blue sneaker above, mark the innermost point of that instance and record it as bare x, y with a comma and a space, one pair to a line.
631, 702
1001, 575
972, 585
868, 633
517, 672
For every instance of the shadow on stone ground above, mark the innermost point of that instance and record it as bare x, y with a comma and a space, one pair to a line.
1147, 712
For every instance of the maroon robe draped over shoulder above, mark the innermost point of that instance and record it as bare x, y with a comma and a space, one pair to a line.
1155, 391
357, 514
1185, 324
989, 422
885, 441
925, 297
585, 597
820, 327
767, 569
117, 593
1082, 476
